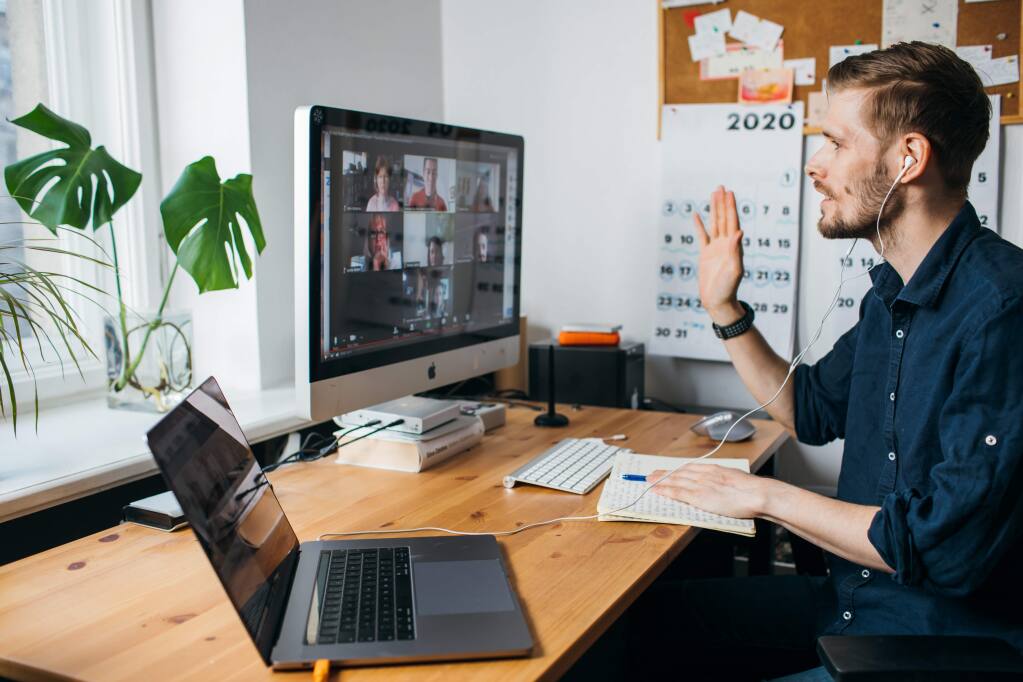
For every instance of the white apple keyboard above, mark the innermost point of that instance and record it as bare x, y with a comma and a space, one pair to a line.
574, 465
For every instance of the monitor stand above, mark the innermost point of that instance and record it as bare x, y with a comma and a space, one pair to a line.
551, 418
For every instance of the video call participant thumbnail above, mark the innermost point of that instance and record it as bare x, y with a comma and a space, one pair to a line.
380, 245
428, 196
440, 298
429, 239
383, 199
478, 186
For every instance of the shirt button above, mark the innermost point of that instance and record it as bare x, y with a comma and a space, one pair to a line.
991, 440
865, 573
891, 396
891, 456
847, 616
899, 333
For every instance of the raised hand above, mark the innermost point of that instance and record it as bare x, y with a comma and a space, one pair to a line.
720, 258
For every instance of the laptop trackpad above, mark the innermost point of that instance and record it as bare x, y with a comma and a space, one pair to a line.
449, 587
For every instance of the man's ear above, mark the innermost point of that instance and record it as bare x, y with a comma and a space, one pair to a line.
919, 148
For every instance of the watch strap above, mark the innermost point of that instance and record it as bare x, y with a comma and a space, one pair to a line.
740, 326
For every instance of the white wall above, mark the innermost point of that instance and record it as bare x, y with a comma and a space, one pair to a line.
381, 56
229, 76
579, 80
202, 108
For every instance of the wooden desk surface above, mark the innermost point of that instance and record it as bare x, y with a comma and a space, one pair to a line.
134, 603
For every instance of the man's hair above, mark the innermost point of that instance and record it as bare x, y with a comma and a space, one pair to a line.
924, 88
429, 158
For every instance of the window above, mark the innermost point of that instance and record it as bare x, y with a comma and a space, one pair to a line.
88, 62
11, 232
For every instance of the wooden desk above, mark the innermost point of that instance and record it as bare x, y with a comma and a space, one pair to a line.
134, 603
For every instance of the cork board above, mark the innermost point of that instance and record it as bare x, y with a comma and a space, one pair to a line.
810, 29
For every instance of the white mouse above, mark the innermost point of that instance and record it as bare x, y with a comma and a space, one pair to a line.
715, 426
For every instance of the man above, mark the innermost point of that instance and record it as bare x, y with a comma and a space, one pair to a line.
434, 251
428, 197
482, 245
379, 246
926, 389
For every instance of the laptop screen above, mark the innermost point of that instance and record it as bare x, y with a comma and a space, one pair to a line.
207, 463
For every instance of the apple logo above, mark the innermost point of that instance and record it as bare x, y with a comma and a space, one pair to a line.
432, 371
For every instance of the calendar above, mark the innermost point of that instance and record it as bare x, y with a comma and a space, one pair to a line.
757, 153
983, 190
983, 194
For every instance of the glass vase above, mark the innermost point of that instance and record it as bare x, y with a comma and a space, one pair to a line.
163, 376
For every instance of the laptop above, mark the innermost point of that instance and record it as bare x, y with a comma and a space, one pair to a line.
355, 602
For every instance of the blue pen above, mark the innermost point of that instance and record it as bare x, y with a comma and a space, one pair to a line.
634, 477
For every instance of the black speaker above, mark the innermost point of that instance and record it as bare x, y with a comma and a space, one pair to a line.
590, 375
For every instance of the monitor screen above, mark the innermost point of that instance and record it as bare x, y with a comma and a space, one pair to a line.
415, 235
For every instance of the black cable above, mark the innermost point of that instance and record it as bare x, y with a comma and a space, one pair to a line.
396, 422
310, 452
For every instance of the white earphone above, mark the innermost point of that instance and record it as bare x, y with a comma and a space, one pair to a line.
909, 161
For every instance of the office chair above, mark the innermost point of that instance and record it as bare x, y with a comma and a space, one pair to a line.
869, 658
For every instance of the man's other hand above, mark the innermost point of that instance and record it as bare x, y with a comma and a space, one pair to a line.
715, 489
720, 258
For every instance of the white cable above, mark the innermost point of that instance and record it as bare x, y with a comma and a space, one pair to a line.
792, 368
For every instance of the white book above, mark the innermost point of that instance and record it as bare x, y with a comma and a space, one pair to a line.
596, 328
389, 450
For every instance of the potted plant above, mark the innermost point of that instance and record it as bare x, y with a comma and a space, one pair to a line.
78, 186
33, 304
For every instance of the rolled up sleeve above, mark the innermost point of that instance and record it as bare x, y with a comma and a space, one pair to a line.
822, 393
948, 538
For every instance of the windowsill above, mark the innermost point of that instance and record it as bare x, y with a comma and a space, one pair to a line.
85, 447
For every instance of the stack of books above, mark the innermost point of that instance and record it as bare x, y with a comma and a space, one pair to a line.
589, 335
412, 452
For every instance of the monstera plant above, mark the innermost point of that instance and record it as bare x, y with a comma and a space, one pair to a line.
82, 187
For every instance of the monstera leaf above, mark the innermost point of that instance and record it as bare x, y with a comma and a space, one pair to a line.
201, 222
90, 186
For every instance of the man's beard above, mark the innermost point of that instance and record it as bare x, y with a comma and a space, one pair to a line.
869, 194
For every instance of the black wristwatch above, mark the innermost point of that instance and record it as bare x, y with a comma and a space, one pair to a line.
740, 326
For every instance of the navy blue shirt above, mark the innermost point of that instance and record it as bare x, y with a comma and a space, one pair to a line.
927, 391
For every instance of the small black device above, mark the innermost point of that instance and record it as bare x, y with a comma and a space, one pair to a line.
551, 417
608, 376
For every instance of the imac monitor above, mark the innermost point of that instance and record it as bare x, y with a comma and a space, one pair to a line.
408, 235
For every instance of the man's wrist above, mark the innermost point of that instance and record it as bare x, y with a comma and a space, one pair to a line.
773, 499
727, 313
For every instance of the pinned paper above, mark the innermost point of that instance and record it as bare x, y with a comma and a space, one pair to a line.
999, 71
706, 45
744, 26
974, 54
771, 86
738, 59
932, 21
766, 35
805, 70
714, 22
817, 108
837, 53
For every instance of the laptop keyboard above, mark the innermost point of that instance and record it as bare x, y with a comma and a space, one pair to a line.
367, 596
